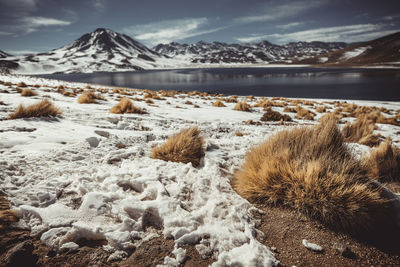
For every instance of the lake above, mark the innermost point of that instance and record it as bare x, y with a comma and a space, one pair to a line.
301, 82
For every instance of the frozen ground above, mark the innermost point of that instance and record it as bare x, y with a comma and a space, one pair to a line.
88, 174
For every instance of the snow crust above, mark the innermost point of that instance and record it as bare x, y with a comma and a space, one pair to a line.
354, 53
70, 181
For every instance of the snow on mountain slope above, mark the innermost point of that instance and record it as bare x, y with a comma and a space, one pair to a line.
379, 52
100, 50
3, 54
263, 52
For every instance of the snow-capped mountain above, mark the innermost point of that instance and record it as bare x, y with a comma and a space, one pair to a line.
3, 54
262, 52
381, 51
100, 50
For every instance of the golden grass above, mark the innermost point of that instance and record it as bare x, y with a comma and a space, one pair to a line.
42, 109
242, 106
321, 109
187, 102
238, 133
272, 115
7, 217
303, 113
28, 92
149, 101
21, 84
186, 146
89, 97
126, 106
218, 103
290, 109
311, 170
383, 162
361, 131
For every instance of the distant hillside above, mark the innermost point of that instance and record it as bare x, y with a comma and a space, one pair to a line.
262, 52
381, 51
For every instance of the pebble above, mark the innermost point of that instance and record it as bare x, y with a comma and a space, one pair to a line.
312, 246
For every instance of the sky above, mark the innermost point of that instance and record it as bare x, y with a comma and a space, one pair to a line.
28, 26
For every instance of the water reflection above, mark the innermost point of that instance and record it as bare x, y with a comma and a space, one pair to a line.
378, 84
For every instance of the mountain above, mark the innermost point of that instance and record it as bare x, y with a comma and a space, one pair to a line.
262, 52
381, 51
3, 54
100, 50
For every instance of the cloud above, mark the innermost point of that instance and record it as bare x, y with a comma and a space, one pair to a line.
16, 17
349, 33
272, 12
99, 5
170, 30
289, 25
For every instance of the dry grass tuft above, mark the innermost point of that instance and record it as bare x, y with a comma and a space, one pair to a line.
272, 115
42, 109
321, 109
242, 106
126, 106
238, 133
187, 102
290, 110
311, 170
28, 92
21, 84
218, 103
361, 131
7, 217
186, 146
89, 97
303, 113
383, 163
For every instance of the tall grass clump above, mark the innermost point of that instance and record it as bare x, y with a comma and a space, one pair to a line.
125, 105
218, 103
272, 115
28, 92
361, 131
242, 106
186, 146
89, 97
42, 109
311, 170
383, 162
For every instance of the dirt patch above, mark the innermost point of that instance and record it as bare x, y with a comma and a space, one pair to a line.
285, 229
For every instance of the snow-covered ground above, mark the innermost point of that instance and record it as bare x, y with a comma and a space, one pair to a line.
88, 174
354, 53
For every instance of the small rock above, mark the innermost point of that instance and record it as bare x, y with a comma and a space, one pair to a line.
93, 141
343, 250
102, 133
70, 246
274, 249
21, 255
312, 246
78, 158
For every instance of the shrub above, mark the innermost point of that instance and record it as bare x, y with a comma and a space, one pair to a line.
126, 106
186, 146
272, 115
383, 163
42, 109
361, 131
218, 103
28, 92
89, 97
311, 170
242, 106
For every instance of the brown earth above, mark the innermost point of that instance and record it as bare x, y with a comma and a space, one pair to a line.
284, 231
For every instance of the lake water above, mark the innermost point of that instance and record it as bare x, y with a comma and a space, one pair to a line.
301, 82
